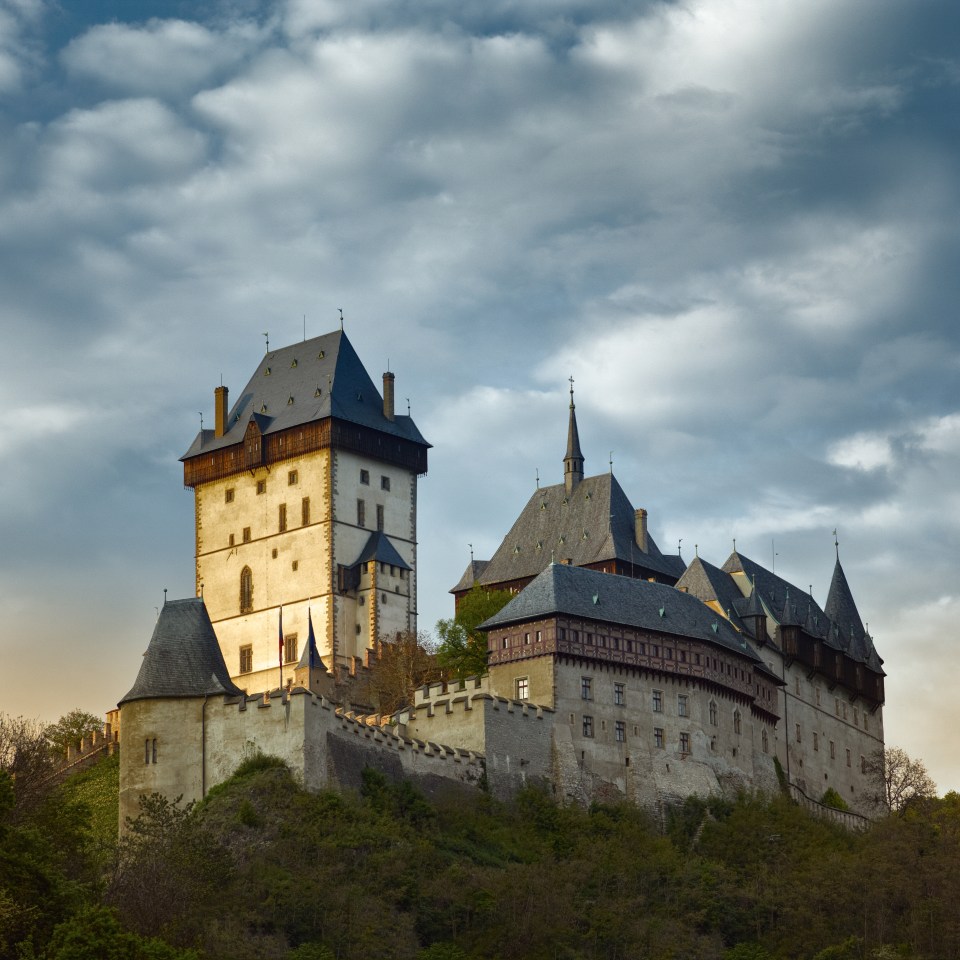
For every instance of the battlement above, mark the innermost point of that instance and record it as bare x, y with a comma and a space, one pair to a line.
473, 690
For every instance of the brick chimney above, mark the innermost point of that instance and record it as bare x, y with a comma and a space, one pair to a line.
388, 410
220, 411
640, 522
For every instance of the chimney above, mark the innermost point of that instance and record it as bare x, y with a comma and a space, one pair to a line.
640, 521
388, 379
220, 407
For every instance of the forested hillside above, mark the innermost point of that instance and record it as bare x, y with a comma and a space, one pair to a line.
263, 869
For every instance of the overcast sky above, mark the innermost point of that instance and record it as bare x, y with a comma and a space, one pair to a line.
734, 222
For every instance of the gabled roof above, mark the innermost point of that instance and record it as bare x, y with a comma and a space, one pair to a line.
592, 595
379, 548
312, 380
594, 523
772, 590
183, 658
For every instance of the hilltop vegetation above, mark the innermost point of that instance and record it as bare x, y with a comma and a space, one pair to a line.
262, 868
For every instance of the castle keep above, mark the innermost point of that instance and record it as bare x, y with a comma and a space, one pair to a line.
614, 671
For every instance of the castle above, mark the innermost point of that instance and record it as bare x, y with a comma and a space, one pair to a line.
614, 671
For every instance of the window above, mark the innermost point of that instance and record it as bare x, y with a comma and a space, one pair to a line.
586, 688
848, 758
305, 511
737, 726
713, 712
295, 565
232, 539
523, 688
619, 694
798, 732
384, 483
587, 726
863, 764
658, 737
539, 636
361, 513
146, 751
816, 742
246, 590
246, 659
282, 518
365, 477
292, 478
506, 642
836, 706
228, 495
261, 486
796, 685
682, 705
684, 742
764, 742
289, 647
246, 534
379, 516
833, 750
856, 717
620, 731
658, 701
526, 638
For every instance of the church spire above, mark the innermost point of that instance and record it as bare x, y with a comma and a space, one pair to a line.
573, 461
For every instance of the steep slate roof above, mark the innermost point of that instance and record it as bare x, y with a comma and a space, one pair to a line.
183, 658
842, 610
380, 548
708, 582
594, 523
471, 575
324, 378
590, 594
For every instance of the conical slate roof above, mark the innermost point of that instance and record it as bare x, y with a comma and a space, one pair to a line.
379, 547
183, 658
842, 610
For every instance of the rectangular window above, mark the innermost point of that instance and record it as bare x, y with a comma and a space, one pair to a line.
305, 511
228, 495
246, 659
539, 636
619, 694
232, 539
282, 518
586, 688
682, 705
856, 717
289, 648
863, 764
379, 516
246, 534
523, 688
261, 486
798, 732
384, 483
848, 758
816, 742
713, 712
146, 751
684, 742
365, 477
658, 701
836, 706
833, 750
796, 685
587, 726
361, 513
292, 478
620, 731
658, 737
561, 633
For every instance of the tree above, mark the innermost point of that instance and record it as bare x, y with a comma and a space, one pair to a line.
25, 756
463, 647
403, 664
897, 781
70, 729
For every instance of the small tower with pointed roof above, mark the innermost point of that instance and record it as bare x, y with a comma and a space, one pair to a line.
573, 461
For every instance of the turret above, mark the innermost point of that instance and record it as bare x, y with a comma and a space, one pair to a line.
573, 461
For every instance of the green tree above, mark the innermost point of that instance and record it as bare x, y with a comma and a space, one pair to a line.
463, 647
70, 729
95, 934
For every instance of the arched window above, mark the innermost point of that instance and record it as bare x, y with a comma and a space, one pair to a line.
246, 590
713, 712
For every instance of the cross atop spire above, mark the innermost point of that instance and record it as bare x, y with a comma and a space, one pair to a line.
573, 461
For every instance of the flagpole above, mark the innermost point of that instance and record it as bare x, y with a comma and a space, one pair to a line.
281, 647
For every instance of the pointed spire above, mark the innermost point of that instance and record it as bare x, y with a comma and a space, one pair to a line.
573, 461
840, 606
789, 616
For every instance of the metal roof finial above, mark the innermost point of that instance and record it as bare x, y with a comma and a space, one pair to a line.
267, 336
536, 471
678, 546
836, 543
470, 545
341, 317
164, 596
611, 462
201, 424
734, 544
